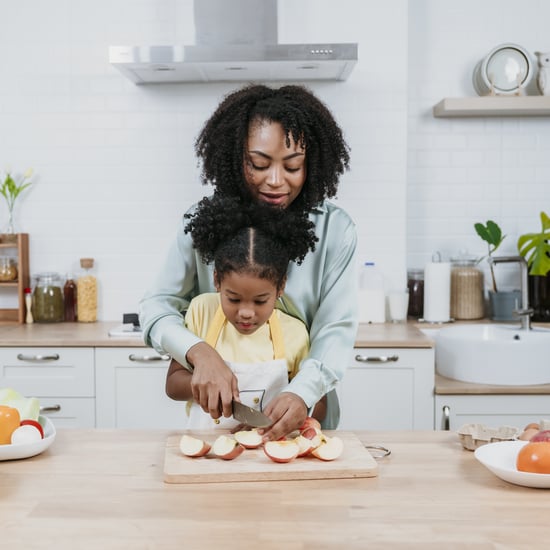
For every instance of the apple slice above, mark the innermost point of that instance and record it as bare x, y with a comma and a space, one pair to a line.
310, 422
227, 448
306, 445
282, 451
192, 446
25, 434
37, 425
249, 439
316, 436
330, 449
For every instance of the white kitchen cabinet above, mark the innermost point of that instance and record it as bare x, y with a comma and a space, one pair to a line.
388, 389
453, 411
130, 390
62, 378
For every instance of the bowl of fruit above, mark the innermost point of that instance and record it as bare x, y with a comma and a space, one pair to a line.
23, 431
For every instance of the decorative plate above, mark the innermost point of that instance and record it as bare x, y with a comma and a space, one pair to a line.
25, 450
500, 458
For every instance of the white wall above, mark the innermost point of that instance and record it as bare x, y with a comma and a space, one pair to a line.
115, 166
114, 162
463, 171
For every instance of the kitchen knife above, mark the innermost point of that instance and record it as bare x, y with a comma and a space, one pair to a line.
250, 416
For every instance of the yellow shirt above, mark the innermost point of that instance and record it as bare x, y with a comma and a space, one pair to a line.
250, 348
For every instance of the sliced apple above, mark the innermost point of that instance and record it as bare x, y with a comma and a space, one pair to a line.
249, 439
37, 425
317, 437
306, 445
227, 447
282, 451
310, 422
193, 447
25, 434
330, 449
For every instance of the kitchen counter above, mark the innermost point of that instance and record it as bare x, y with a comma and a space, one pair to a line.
105, 489
97, 335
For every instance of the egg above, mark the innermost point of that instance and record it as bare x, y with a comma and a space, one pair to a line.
528, 433
532, 425
25, 434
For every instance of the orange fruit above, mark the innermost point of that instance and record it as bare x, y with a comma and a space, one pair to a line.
9, 421
534, 458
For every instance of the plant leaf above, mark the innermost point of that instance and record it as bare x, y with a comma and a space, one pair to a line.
534, 247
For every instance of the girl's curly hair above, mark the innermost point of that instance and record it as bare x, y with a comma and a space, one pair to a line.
222, 141
243, 237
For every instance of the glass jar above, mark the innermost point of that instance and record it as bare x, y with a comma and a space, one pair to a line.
415, 284
8, 269
467, 300
86, 293
48, 298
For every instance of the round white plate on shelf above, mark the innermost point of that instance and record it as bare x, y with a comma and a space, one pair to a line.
500, 458
26, 450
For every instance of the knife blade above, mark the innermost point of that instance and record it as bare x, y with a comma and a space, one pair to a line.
249, 416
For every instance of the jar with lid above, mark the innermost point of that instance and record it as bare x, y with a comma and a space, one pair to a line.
467, 299
48, 298
415, 284
8, 269
86, 293
69, 298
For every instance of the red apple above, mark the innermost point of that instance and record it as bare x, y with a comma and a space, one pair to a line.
193, 447
282, 451
543, 435
227, 447
330, 449
249, 439
310, 422
25, 434
37, 425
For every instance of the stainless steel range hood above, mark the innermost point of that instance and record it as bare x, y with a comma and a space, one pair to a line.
235, 40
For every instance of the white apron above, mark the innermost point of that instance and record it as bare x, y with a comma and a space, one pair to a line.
258, 383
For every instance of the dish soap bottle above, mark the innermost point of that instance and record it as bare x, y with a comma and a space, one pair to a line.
86, 293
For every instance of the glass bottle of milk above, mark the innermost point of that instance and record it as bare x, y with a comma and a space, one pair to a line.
372, 299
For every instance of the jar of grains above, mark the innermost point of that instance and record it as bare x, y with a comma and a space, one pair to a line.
8, 269
86, 293
48, 298
467, 300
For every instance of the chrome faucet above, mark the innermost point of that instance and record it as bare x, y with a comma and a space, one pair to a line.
524, 312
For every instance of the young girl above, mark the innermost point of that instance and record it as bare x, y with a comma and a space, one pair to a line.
250, 248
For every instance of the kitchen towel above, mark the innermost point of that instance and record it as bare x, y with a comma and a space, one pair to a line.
437, 292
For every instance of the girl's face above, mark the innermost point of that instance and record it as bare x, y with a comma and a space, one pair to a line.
274, 172
247, 300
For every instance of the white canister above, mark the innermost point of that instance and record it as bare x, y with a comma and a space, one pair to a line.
372, 299
437, 292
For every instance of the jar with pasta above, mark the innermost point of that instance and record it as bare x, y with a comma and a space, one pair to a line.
86, 293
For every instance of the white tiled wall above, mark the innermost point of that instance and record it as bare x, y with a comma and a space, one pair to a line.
115, 166
463, 171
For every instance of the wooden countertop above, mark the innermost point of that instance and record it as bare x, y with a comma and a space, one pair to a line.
385, 335
104, 489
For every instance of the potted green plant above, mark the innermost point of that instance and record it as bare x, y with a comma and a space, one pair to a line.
11, 190
535, 248
501, 302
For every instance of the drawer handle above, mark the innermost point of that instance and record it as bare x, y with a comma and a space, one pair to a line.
50, 408
52, 357
446, 417
148, 358
377, 359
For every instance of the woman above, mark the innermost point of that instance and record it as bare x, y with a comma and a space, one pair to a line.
281, 147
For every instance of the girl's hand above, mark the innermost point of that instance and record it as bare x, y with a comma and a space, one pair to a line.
288, 411
213, 384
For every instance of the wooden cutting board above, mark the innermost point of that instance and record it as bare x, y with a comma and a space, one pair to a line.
254, 465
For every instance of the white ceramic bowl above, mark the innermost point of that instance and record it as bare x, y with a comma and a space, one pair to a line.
26, 450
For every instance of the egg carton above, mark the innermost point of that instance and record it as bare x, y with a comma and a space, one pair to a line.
473, 436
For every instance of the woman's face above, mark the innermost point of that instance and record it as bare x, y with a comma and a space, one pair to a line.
274, 172
247, 300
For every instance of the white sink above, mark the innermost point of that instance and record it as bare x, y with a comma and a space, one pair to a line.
493, 354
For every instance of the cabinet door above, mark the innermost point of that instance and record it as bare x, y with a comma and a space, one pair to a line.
130, 390
453, 411
61, 378
388, 389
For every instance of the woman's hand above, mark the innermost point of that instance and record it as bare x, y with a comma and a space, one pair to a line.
213, 384
288, 411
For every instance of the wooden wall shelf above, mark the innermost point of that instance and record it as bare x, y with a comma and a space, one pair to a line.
492, 106
19, 243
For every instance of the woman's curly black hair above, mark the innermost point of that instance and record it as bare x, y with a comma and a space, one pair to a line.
243, 237
222, 142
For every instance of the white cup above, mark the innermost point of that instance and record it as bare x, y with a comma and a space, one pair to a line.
399, 305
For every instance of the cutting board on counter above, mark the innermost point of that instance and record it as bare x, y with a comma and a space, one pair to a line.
254, 465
